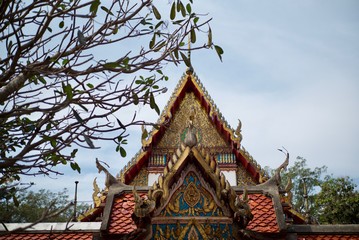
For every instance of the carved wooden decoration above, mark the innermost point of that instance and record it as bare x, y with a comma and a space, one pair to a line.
206, 133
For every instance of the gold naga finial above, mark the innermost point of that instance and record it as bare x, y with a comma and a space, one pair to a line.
95, 195
238, 131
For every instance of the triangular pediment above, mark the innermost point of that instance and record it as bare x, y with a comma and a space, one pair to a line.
190, 102
192, 187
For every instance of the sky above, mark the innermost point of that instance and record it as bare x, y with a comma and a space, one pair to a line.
290, 73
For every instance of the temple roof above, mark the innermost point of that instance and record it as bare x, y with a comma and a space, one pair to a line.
264, 220
191, 191
46, 236
191, 83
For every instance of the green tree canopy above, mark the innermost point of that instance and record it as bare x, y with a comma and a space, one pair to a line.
338, 201
300, 173
331, 200
32, 206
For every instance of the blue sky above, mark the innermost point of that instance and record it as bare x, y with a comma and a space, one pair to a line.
290, 72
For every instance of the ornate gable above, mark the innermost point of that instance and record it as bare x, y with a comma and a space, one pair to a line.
212, 133
191, 199
181, 183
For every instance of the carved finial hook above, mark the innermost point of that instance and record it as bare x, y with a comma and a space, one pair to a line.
110, 179
238, 131
282, 166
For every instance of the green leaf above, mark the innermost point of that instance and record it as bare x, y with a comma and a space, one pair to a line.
156, 12
49, 29
176, 53
89, 142
68, 91
73, 153
157, 109
106, 10
42, 79
75, 167
123, 152
77, 116
153, 41
125, 61
185, 59
183, 10
145, 96
195, 20
144, 133
111, 65
94, 6
193, 35
189, 9
209, 43
219, 51
115, 30
120, 123
61, 24
153, 104
83, 107
135, 98
152, 101
90, 85
65, 61
53, 142
173, 11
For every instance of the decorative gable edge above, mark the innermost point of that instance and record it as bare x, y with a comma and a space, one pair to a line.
234, 137
159, 194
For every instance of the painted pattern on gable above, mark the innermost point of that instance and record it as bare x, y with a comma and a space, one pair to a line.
206, 133
141, 178
191, 199
192, 212
192, 230
243, 177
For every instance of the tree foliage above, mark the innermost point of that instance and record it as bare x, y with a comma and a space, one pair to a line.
331, 200
32, 206
69, 69
301, 174
338, 201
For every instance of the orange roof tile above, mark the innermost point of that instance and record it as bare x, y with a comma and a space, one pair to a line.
264, 217
262, 208
120, 220
47, 236
328, 237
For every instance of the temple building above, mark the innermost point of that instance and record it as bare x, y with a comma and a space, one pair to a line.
191, 179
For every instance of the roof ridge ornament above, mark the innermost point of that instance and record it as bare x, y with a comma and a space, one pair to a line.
190, 139
110, 179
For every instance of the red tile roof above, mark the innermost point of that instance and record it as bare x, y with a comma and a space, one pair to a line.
120, 220
328, 237
47, 236
262, 208
264, 219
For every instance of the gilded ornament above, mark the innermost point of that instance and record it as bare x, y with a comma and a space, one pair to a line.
207, 136
191, 195
95, 195
141, 178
